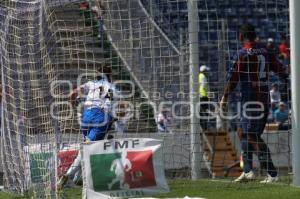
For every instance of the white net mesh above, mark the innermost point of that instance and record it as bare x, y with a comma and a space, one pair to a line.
48, 48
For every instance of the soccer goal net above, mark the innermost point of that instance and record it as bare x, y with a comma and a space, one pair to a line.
150, 50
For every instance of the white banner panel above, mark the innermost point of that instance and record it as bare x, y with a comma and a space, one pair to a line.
123, 168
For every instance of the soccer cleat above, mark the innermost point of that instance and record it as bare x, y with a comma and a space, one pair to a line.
269, 179
62, 182
245, 177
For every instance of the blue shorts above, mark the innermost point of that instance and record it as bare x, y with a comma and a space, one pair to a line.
95, 123
254, 122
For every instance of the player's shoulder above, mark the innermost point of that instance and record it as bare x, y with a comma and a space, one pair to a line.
260, 48
110, 85
254, 50
240, 53
93, 84
88, 83
260, 45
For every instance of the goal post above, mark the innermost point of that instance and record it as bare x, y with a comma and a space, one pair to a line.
295, 79
193, 27
153, 50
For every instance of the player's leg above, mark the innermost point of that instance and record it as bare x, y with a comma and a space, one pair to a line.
94, 127
247, 153
263, 151
74, 168
101, 123
95, 134
252, 127
89, 132
86, 121
94, 124
77, 179
246, 150
252, 124
264, 154
264, 157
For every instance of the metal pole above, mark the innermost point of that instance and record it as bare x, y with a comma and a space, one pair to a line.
182, 65
196, 151
295, 79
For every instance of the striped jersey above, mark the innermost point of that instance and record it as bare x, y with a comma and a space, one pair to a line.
250, 70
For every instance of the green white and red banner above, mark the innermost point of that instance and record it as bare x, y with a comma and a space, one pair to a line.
123, 168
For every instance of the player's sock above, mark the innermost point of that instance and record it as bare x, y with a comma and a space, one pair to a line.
264, 157
75, 167
247, 153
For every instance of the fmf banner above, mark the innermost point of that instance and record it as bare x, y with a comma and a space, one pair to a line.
122, 168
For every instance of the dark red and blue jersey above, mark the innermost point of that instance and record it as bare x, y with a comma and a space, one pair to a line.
250, 71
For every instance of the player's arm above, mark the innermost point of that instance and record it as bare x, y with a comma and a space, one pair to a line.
232, 79
73, 96
278, 67
75, 93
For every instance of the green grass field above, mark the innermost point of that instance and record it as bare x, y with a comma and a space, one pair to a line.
209, 189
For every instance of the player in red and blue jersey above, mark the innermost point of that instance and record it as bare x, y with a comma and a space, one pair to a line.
250, 71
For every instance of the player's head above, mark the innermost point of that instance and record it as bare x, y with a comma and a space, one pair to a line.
110, 94
104, 72
101, 76
101, 90
247, 33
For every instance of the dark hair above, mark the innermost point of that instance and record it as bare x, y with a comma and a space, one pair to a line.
110, 94
106, 70
248, 32
99, 77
